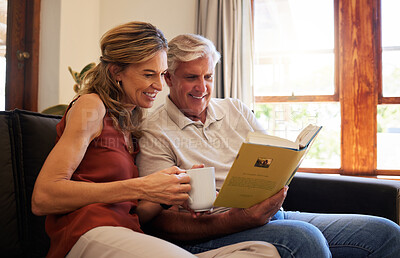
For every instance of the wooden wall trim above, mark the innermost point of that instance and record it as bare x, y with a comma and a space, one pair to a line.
358, 85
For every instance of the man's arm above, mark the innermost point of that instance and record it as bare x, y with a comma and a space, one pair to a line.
250, 117
181, 226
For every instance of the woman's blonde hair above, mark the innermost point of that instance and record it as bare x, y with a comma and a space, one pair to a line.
188, 47
129, 43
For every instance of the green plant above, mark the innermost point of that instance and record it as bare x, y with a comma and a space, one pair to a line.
78, 77
56, 110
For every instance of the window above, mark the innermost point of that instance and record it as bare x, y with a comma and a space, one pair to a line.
322, 62
388, 111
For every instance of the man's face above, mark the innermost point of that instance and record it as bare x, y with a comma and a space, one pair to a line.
191, 87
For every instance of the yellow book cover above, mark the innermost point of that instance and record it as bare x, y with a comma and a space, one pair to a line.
259, 171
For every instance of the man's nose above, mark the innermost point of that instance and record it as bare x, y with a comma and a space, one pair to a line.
201, 85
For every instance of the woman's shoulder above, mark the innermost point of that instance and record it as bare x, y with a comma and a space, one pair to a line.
89, 103
87, 108
90, 98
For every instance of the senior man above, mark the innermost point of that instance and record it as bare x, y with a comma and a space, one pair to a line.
193, 128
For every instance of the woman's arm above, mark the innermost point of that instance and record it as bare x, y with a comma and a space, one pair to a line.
55, 193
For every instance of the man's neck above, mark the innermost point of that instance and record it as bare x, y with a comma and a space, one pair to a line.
188, 113
194, 117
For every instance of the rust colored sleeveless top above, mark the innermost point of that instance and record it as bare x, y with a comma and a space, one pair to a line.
107, 159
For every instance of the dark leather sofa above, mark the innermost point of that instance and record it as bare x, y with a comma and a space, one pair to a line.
26, 138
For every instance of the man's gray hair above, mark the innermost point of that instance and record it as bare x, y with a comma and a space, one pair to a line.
188, 47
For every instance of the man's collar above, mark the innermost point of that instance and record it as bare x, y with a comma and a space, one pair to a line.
213, 113
182, 121
176, 115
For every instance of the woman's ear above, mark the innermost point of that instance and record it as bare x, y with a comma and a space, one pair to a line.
114, 71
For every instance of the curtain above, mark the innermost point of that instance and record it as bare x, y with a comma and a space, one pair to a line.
228, 23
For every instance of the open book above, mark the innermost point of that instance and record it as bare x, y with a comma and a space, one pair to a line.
263, 166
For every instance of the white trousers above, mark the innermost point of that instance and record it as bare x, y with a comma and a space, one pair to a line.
113, 242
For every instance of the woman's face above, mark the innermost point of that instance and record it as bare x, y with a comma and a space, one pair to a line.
141, 82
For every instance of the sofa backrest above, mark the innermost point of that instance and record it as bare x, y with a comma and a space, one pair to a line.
321, 193
26, 138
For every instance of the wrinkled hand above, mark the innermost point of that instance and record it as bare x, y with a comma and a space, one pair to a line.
260, 213
168, 186
198, 166
194, 214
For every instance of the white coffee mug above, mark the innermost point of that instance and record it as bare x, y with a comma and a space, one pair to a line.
202, 194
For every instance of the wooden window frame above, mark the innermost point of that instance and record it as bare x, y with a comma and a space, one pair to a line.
357, 49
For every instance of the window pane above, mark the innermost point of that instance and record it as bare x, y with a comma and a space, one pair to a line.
390, 22
294, 47
286, 75
286, 120
388, 137
391, 73
3, 33
390, 48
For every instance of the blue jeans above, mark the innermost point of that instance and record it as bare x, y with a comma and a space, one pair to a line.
298, 234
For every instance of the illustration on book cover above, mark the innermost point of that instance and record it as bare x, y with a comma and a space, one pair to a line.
263, 163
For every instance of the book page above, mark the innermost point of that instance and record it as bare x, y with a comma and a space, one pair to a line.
307, 134
302, 140
266, 139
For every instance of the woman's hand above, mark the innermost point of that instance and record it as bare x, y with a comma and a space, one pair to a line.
168, 186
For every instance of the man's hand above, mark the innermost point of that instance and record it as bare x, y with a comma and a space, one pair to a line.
260, 213
197, 214
214, 225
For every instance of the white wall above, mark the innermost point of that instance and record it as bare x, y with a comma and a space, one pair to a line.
79, 37
71, 30
49, 53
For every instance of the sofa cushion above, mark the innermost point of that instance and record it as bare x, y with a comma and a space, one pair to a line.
32, 136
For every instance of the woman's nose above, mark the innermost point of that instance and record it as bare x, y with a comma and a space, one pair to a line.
158, 84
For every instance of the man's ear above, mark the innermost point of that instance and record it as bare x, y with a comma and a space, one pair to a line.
167, 78
114, 71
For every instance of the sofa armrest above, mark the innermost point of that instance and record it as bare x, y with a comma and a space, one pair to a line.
26, 139
344, 194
